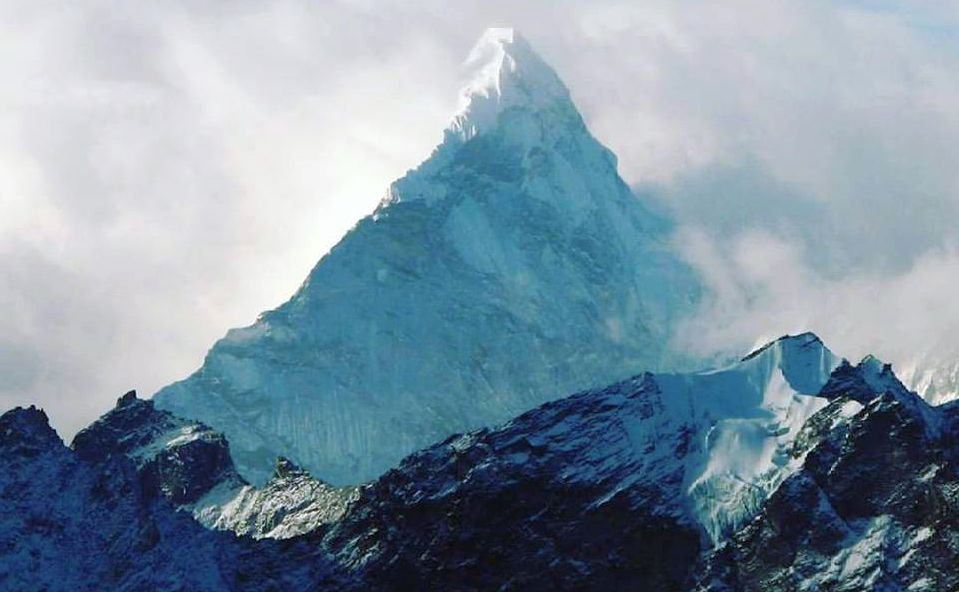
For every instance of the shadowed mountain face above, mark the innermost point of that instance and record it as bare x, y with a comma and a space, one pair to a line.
190, 465
511, 267
92, 519
789, 470
874, 507
620, 489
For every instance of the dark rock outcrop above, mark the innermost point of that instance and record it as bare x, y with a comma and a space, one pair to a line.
875, 506
559, 498
178, 459
68, 523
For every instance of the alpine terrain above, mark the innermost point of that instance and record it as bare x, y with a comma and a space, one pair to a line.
789, 470
405, 421
513, 266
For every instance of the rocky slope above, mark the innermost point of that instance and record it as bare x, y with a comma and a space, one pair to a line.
71, 523
782, 472
190, 465
618, 488
512, 267
789, 470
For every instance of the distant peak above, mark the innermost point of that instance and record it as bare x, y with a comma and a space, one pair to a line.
801, 340
805, 361
503, 71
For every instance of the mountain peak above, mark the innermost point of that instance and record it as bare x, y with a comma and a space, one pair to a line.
503, 72
285, 467
27, 430
518, 219
802, 340
128, 399
805, 361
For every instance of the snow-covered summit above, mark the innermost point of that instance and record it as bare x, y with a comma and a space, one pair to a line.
748, 414
504, 72
512, 267
804, 360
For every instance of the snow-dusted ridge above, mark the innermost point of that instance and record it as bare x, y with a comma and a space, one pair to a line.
663, 467
72, 523
190, 464
736, 479
290, 504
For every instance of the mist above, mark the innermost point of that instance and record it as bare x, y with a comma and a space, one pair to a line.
170, 170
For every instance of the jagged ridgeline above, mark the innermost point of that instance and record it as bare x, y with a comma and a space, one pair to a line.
789, 470
511, 267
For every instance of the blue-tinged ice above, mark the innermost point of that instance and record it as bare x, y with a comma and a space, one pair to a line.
512, 267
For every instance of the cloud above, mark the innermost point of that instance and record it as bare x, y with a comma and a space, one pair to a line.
169, 170
764, 287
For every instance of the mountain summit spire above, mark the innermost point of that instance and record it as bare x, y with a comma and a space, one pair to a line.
513, 265
503, 72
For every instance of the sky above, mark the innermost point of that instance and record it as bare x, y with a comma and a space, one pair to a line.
168, 170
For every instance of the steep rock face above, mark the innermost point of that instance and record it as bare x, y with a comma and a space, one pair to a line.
68, 524
510, 268
181, 459
874, 506
189, 464
617, 488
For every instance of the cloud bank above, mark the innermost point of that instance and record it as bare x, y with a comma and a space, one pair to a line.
169, 170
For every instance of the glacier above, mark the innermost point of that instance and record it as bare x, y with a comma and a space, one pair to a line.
511, 267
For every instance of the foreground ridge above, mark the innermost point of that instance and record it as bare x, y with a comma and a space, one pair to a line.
69, 523
791, 469
189, 464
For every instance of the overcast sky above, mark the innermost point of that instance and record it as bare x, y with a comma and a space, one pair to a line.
170, 169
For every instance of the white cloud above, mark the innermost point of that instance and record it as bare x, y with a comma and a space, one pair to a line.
169, 170
766, 287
